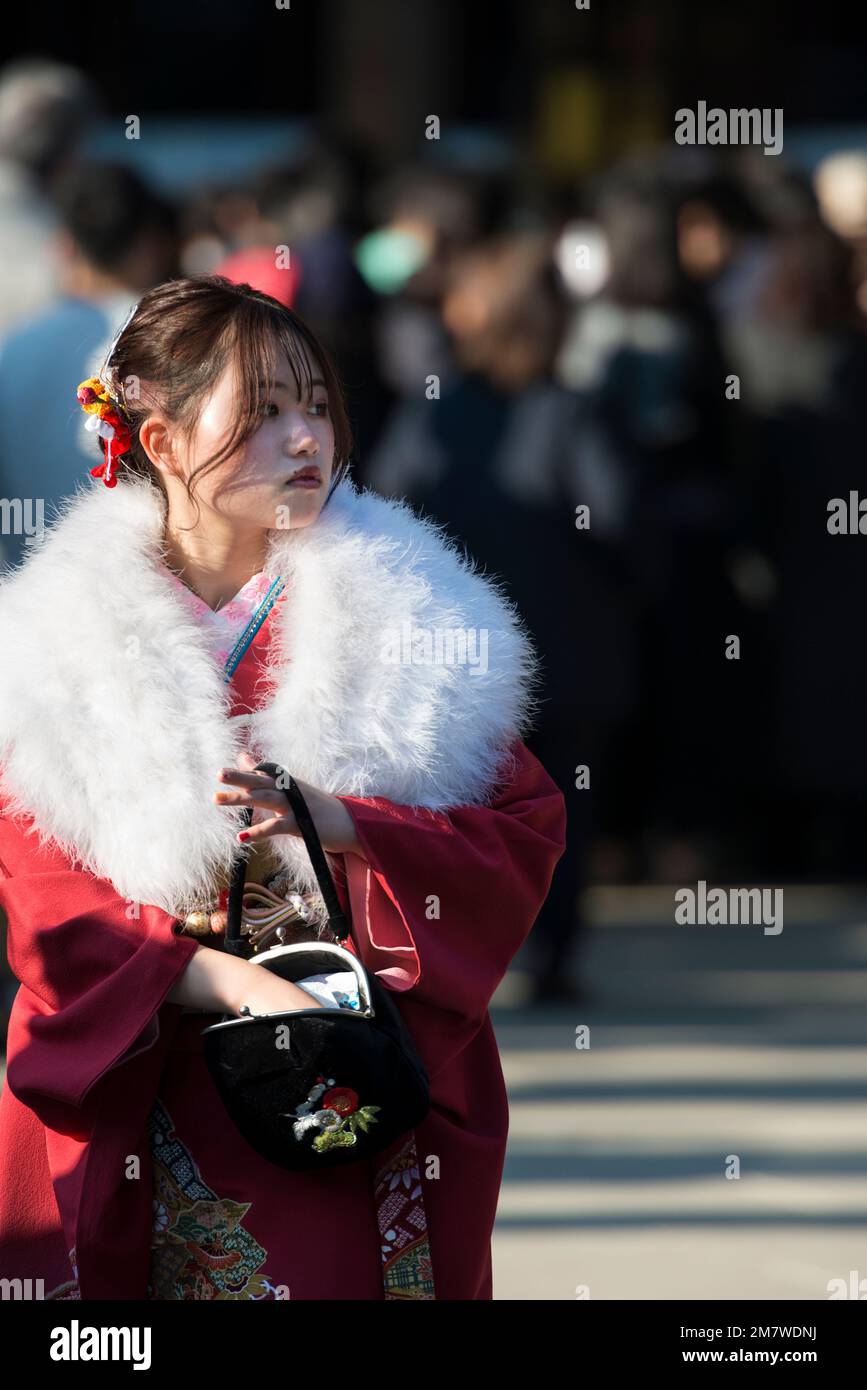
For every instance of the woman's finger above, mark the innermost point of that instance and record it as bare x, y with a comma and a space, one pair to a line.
277, 825
267, 800
236, 778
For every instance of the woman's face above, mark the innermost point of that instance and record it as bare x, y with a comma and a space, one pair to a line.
255, 488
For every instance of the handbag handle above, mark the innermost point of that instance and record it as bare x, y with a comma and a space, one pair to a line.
234, 942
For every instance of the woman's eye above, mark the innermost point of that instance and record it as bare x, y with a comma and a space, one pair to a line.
321, 406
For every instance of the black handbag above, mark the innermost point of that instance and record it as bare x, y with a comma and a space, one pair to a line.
322, 1087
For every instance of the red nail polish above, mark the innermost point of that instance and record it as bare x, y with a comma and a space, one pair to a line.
243, 834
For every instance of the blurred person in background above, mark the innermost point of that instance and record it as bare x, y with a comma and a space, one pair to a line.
804, 323
423, 218
722, 245
840, 183
46, 109
654, 446
311, 208
116, 239
804, 356
491, 460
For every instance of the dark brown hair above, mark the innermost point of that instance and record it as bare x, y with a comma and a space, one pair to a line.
180, 339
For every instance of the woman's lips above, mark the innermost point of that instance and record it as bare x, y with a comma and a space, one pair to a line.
305, 482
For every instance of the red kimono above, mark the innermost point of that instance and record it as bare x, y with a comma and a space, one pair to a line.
122, 1177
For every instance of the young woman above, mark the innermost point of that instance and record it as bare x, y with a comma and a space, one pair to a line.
230, 598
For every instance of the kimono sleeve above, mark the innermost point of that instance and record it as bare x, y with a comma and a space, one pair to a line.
93, 979
446, 899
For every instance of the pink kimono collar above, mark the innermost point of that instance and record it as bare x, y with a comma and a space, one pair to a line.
224, 625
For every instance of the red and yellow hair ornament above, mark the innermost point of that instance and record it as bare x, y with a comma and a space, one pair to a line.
108, 420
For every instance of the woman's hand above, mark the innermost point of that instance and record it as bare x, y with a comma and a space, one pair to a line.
265, 992
272, 814
214, 982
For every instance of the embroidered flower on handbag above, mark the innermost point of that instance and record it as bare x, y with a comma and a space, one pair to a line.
334, 1139
341, 1099
338, 1119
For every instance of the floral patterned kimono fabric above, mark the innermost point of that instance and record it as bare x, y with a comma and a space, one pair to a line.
121, 1175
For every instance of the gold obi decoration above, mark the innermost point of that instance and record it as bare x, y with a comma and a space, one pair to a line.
273, 913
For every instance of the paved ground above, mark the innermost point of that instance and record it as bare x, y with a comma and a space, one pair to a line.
706, 1043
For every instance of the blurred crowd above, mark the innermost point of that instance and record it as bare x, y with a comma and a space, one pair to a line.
631, 401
